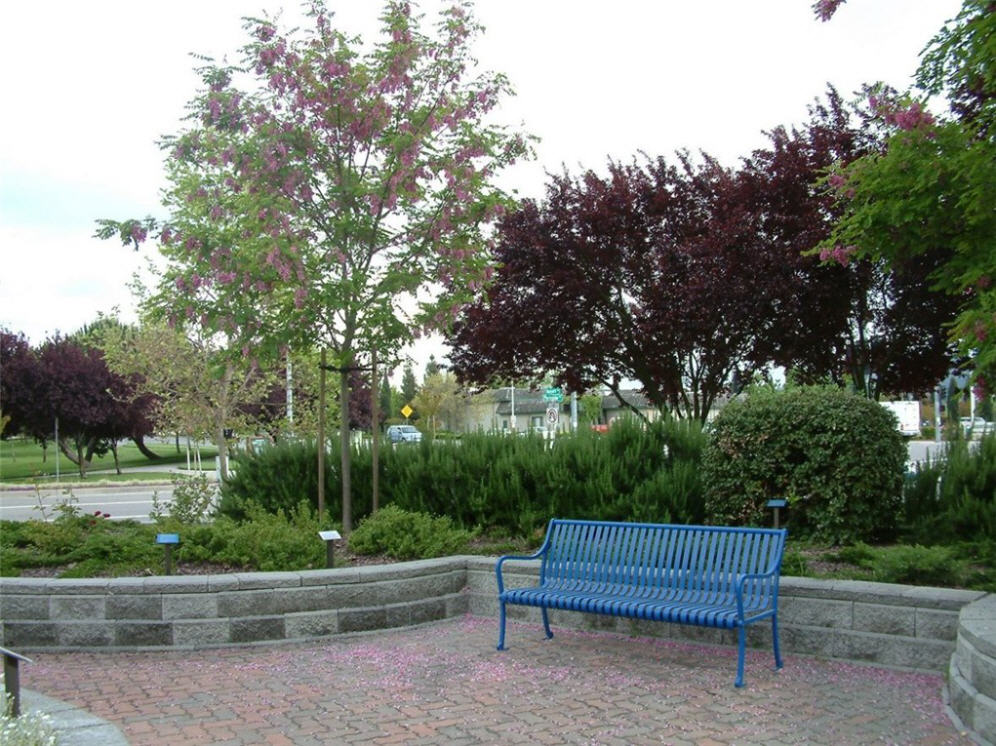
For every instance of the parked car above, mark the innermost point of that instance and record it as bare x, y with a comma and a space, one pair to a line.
404, 434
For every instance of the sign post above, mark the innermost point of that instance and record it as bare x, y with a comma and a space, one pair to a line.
553, 396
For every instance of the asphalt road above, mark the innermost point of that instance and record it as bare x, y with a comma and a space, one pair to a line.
126, 501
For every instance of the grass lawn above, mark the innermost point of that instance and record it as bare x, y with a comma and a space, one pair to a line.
23, 460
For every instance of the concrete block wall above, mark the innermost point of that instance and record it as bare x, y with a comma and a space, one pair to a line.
192, 611
881, 623
972, 674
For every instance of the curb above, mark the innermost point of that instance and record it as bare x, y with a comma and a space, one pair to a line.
73, 726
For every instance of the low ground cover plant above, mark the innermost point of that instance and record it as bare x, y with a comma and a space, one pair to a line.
28, 729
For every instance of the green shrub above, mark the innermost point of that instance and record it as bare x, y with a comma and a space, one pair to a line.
405, 535
794, 563
836, 457
859, 554
86, 545
193, 500
277, 478
265, 541
918, 565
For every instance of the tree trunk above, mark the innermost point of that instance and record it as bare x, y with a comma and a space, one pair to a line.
91, 446
374, 433
344, 446
219, 435
321, 436
114, 451
221, 414
64, 447
144, 449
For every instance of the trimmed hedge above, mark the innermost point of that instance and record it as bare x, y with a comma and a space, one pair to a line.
835, 456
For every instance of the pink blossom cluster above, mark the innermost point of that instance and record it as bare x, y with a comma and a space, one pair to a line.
137, 233
838, 182
825, 9
980, 387
839, 253
906, 118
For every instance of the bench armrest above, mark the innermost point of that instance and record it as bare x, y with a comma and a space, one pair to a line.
538, 554
769, 579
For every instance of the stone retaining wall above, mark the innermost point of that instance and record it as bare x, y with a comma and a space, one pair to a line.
891, 625
190, 611
972, 675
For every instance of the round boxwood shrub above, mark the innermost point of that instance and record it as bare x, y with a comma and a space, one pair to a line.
836, 457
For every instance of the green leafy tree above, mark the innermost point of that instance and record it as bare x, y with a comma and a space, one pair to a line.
432, 367
439, 398
934, 184
309, 204
409, 386
386, 397
198, 391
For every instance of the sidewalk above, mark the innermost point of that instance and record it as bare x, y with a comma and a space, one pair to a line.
446, 684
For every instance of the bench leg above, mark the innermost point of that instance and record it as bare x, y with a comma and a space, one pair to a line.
741, 647
501, 627
546, 623
774, 642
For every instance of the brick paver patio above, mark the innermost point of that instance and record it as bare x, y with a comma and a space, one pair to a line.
446, 684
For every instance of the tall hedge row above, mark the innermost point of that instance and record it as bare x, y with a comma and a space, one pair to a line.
836, 457
954, 500
514, 484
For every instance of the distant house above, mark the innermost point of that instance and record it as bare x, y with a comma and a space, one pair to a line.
499, 410
613, 407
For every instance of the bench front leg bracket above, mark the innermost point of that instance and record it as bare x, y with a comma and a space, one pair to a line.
741, 648
501, 626
774, 642
546, 622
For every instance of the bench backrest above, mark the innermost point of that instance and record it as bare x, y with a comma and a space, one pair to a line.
652, 556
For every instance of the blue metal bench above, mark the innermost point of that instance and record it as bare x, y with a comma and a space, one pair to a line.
709, 576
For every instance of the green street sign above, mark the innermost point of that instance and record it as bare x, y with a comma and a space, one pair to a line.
553, 394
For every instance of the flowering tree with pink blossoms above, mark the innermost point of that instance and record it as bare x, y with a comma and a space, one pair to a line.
934, 186
333, 194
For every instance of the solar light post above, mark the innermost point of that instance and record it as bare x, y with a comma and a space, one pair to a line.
168, 540
328, 537
777, 505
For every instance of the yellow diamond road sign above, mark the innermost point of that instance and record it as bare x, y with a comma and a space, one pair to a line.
407, 411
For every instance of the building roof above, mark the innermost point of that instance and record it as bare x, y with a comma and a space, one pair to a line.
631, 397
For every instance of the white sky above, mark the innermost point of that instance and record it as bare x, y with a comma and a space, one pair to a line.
88, 88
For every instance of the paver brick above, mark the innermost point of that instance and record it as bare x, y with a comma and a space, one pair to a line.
444, 683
